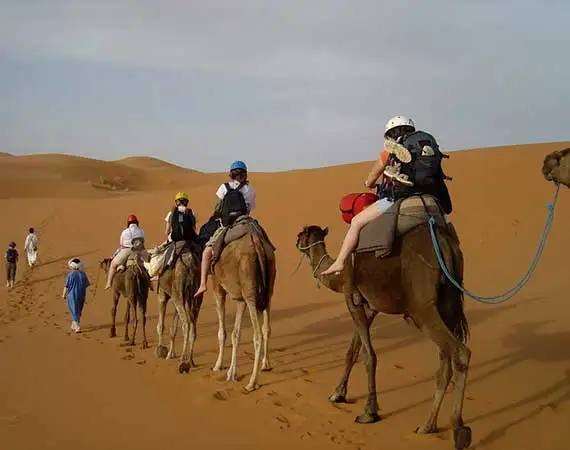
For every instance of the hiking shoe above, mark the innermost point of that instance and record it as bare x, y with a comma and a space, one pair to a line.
401, 152
392, 172
404, 179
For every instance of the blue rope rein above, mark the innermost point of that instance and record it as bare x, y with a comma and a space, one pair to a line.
497, 299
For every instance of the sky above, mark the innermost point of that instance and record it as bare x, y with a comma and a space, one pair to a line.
279, 84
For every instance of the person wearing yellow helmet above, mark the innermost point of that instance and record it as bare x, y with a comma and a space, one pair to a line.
180, 220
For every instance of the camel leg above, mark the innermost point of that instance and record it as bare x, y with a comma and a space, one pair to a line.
456, 355
133, 304
194, 312
363, 328
221, 311
143, 317
184, 365
127, 319
113, 331
265, 364
255, 316
236, 333
161, 350
339, 395
173, 331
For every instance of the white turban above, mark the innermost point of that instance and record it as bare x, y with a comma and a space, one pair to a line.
75, 264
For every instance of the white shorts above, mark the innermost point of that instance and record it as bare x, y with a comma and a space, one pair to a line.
383, 204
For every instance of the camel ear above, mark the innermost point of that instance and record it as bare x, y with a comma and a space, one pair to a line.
325, 231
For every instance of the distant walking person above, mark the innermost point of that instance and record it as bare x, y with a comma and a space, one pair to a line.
76, 284
31, 248
11, 259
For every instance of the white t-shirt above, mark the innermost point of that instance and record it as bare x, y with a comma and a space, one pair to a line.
130, 233
246, 190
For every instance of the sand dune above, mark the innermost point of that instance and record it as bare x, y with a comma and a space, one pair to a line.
86, 391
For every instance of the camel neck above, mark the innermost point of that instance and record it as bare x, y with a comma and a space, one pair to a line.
320, 261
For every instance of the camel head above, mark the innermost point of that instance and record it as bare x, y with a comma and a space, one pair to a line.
556, 167
309, 236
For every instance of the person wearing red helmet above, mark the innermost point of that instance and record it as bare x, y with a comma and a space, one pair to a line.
129, 237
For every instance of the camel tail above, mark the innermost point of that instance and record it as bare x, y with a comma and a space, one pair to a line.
450, 299
261, 274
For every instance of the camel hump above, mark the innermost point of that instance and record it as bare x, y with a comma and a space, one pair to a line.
401, 218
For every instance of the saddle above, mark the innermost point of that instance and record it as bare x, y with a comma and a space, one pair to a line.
402, 217
243, 225
165, 256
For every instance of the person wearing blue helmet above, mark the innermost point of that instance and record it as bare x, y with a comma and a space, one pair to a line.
234, 199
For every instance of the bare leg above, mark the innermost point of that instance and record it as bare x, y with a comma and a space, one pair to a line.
221, 311
161, 351
266, 329
255, 317
204, 270
339, 395
110, 275
351, 239
236, 333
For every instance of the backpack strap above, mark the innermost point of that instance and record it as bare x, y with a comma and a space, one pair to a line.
228, 187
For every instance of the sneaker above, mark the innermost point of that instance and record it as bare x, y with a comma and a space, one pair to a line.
401, 152
404, 179
74, 326
392, 172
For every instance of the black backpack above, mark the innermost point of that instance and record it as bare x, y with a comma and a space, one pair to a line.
183, 225
11, 255
233, 205
424, 170
425, 167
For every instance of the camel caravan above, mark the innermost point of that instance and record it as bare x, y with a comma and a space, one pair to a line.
387, 264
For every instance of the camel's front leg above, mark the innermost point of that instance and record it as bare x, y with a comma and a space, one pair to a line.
220, 297
127, 319
339, 395
184, 365
161, 350
362, 324
135, 318
236, 333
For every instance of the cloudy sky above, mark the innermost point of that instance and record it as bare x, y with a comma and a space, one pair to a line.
280, 84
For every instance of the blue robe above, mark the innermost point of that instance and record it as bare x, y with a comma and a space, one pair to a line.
76, 283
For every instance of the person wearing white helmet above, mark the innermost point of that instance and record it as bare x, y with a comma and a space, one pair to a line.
391, 165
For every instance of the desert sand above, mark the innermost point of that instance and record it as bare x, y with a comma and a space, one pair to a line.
60, 390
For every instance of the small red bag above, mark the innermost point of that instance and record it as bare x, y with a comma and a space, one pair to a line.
352, 204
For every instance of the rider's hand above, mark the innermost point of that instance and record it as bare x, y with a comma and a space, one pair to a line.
368, 184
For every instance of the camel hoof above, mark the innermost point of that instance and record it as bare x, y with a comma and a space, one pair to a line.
426, 429
184, 367
337, 398
462, 437
247, 389
217, 368
161, 351
367, 418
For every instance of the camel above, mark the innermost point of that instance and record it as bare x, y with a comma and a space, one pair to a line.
408, 282
245, 272
133, 284
179, 283
556, 167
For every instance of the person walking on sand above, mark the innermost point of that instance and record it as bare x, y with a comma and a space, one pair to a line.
31, 247
75, 289
11, 258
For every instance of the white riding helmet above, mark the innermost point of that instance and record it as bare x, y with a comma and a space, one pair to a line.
398, 121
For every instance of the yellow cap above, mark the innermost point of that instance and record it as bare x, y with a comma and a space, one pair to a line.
181, 196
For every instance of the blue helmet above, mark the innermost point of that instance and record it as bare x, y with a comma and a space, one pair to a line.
238, 165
